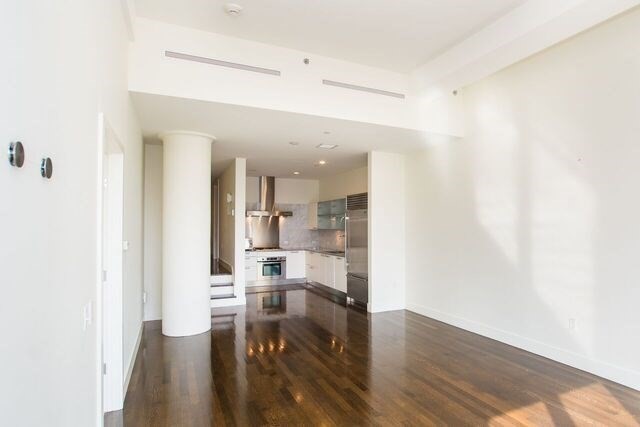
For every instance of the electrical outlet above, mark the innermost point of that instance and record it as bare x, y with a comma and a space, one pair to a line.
572, 324
144, 297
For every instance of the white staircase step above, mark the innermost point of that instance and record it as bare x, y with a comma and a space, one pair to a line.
223, 296
221, 278
222, 289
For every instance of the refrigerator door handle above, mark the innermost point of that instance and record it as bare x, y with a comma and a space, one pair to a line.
347, 234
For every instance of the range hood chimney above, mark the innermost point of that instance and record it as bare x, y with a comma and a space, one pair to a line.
267, 194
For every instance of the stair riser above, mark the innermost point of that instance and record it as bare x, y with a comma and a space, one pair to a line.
222, 290
226, 278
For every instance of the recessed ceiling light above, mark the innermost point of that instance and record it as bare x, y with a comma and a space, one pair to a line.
296, 173
322, 162
294, 143
326, 146
232, 9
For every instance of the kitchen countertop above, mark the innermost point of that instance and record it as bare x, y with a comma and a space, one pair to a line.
320, 251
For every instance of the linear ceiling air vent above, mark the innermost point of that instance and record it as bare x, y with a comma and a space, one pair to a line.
363, 88
220, 63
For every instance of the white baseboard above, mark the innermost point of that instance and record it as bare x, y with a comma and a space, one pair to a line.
132, 362
606, 370
381, 308
228, 302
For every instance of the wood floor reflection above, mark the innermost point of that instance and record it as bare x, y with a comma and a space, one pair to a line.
296, 358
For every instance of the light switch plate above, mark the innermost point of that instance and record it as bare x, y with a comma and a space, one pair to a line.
87, 316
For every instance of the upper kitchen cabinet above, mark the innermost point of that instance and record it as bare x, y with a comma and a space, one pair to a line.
331, 214
338, 207
312, 216
324, 208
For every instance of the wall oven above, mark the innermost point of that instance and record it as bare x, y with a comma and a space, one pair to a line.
271, 268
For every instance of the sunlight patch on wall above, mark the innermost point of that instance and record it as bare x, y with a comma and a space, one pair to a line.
495, 178
562, 232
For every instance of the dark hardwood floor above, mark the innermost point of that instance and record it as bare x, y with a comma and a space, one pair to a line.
294, 357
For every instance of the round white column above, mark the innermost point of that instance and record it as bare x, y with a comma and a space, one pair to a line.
186, 228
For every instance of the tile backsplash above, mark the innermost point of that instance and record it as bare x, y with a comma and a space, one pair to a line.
294, 231
332, 240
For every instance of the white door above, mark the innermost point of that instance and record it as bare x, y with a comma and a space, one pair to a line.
111, 270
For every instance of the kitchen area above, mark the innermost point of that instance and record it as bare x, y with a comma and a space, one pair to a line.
295, 236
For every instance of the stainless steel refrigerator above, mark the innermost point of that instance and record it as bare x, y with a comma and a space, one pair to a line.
357, 255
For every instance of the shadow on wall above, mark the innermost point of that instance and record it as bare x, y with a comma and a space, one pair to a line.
520, 237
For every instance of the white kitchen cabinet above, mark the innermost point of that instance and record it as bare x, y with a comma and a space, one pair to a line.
314, 268
312, 216
296, 265
250, 268
327, 268
340, 274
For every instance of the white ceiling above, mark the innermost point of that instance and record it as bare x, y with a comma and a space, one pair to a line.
393, 34
262, 136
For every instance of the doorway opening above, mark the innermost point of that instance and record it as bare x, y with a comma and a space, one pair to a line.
110, 307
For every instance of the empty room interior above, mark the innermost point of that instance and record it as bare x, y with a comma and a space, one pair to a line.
331, 213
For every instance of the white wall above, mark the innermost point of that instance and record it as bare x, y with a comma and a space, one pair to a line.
529, 225
239, 281
298, 89
227, 185
232, 222
342, 184
386, 231
153, 231
288, 190
68, 63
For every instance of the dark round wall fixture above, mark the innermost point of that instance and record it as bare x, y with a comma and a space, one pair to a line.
46, 168
16, 154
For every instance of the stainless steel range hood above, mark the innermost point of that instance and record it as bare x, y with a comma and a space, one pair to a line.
267, 193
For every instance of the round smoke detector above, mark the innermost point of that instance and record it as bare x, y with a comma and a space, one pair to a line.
233, 9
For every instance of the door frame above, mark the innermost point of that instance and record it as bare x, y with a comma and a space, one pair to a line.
109, 292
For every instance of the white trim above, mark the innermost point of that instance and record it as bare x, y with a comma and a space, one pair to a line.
98, 284
132, 362
163, 135
109, 145
528, 29
606, 370
228, 302
129, 12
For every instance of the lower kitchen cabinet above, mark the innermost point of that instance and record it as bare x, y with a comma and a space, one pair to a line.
327, 269
314, 269
250, 269
340, 274
296, 265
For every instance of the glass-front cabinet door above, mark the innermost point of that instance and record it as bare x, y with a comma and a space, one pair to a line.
331, 214
324, 208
